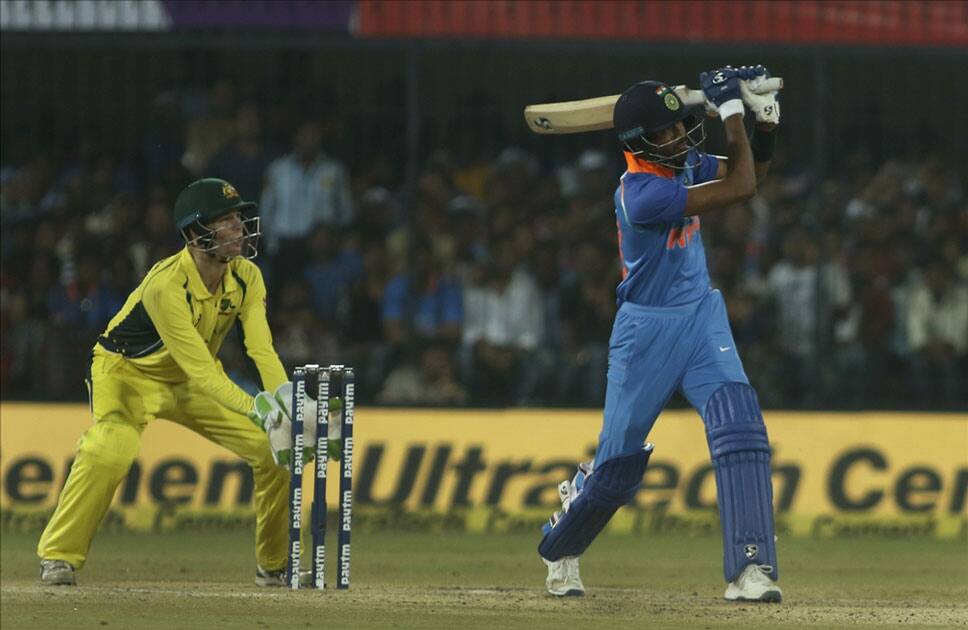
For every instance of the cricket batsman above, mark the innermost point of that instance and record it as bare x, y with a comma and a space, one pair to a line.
157, 359
671, 332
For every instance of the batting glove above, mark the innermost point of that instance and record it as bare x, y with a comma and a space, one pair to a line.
722, 89
752, 73
765, 107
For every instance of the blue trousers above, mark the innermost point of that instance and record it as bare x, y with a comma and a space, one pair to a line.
655, 351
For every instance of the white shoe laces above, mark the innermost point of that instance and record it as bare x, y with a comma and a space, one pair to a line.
557, 571
761, 575
571, 569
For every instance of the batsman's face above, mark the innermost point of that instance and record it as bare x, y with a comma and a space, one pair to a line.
671, 142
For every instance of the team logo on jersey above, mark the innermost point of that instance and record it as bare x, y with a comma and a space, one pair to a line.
681, 235
225, 306
229, 192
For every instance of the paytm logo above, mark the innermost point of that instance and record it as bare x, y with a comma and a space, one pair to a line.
347, 522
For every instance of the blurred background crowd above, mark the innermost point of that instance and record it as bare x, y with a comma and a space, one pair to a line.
493, 282
479, 269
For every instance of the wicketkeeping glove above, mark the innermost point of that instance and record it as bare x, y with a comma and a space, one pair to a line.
269, 415
283, 396
722, 89
273, 414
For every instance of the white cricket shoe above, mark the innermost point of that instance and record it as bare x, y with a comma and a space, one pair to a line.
563, 579
270, 578
279, 578
754, 585
57, 573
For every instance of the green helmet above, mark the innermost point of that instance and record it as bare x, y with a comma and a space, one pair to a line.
207, 199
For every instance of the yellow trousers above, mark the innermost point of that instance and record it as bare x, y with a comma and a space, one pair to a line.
123, 402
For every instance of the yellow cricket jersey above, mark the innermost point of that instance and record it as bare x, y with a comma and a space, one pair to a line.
171, 327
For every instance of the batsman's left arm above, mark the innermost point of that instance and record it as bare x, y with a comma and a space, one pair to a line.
762, 144
257, 337
765, 108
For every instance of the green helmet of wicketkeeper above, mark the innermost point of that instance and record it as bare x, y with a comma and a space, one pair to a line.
200, 216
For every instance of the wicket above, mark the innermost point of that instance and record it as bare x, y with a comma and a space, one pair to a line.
341, 379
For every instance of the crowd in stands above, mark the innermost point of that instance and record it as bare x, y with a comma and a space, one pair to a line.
485, 283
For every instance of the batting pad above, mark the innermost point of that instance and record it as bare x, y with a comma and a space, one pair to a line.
611, 485
740, 452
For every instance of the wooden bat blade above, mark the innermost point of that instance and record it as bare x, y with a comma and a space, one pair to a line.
590, 114
595, 114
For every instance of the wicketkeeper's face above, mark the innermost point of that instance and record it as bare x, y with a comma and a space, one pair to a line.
228, 233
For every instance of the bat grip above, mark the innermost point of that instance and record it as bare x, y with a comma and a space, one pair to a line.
696, 97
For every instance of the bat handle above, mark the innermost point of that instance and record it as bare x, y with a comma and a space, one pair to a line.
695, 97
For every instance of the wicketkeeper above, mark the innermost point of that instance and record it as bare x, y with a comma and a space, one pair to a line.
157, 359
671, 332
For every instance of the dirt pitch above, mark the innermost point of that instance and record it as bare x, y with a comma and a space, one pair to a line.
204, 580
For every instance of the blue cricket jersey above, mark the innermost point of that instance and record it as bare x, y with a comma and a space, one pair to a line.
663, 262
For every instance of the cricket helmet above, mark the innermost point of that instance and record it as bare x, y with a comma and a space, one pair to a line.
649, 107
205, 200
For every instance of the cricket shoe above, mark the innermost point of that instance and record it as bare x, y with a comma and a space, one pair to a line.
57, 573
279, 578
754, 585
563, 579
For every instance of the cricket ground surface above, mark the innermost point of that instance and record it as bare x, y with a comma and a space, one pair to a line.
444, 580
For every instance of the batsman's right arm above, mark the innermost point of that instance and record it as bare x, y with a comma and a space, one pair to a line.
738, 185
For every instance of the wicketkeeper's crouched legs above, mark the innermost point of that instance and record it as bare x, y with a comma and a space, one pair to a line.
105, 453
272, 512
610, 485
238, 434
740, 452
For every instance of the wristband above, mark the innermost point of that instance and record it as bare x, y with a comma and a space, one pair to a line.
730, 107
762, 144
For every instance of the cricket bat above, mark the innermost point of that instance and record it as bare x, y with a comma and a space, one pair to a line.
593, 114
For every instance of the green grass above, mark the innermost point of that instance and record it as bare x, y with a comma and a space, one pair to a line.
204, 580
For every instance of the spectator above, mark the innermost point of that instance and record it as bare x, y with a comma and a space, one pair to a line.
302, 189
86, 301
330, 272
364, 343
157, 239
301, 337
164, 143
587, 312
589, 178
876, 324
792, 285
806, 318
937, 325
379, 213
422, 304
502, 328
244, 160
433, 382
208, 133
